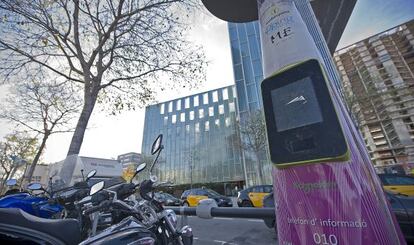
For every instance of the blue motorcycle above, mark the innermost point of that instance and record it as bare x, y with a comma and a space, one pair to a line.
34, 205
49, 205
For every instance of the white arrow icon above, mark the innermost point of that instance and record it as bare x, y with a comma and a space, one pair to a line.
297, 99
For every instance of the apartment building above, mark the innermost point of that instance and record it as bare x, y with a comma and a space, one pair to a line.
378, 82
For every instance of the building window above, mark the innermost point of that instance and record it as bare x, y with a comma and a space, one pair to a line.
221, 109
178, 105
234, 91
232, 107
191, 115
197, 127
217, 122
201, 113
225, 94
207, 126
215, 96
205, 98
165, 120
211, 111
195, 101
227, 121
170, 106
187, 103
187, 128
162, 108
174, 119
182, 117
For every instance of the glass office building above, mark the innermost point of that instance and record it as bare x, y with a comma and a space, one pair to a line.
248, 74
247, 64
200, 138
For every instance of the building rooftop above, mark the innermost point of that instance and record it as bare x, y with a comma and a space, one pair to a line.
193, 95
374, 37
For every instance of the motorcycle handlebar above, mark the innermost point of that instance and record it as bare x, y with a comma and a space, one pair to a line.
145, 188
96, 208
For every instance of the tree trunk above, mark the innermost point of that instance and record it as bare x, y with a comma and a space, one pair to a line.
14, 170
27, 178
66, 172
77, 138
259, 168
3, 181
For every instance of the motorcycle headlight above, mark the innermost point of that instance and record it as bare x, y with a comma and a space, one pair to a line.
172, 217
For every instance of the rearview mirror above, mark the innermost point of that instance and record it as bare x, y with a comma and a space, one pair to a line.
11, 182
156, 146
141, 167
97, 187
34, 186
91, 174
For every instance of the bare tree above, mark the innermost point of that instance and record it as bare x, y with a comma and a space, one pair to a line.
120, 51
44, 108
254, 138
16, 148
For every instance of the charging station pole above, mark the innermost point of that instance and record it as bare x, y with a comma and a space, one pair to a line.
326, 189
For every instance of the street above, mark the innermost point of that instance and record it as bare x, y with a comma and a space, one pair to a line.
231, 231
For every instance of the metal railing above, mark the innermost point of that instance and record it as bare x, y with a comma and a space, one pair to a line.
247, 213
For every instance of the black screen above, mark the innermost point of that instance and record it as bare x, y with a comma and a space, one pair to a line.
295, 105
301, 121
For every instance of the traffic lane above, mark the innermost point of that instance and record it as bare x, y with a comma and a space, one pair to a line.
231, 231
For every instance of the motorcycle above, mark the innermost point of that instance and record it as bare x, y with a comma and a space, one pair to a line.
11, 184
51, 204
143, 222
161, 223
18, 226
35, 205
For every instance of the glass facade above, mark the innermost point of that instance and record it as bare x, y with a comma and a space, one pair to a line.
200, 138
248, 74
247, 64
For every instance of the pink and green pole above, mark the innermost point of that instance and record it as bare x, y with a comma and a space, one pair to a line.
321, 202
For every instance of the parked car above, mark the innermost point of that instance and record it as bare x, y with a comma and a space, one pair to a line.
253, 196
191, 197
398, 183
401, 205
167, 199
403, 208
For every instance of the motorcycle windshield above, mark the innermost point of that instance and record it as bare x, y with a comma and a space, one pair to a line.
69, 171
64, 173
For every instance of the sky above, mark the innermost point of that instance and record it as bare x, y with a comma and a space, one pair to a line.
370, 17
109, 136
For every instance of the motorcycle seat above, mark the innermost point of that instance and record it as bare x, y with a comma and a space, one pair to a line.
65, 230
